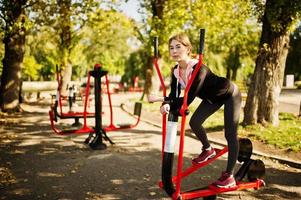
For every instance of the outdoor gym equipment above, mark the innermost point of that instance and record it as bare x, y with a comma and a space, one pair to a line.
54, 114
172, 184
95, 139
112, 126
85, 128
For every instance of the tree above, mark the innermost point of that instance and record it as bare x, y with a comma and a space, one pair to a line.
13, 25
41, 54
233, 40
164, 17
156, 8
106, 39
64, 19
231, 33
263, 95
65, 26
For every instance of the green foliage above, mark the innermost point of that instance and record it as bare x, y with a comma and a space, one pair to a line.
31, 68
282, 15
176, 19
134, 66
106, 38
105, 35
103, 38
229, 25
43, 48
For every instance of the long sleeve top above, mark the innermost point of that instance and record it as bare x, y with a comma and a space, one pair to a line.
206, 85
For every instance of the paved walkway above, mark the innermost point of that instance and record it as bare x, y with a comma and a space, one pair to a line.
290, 101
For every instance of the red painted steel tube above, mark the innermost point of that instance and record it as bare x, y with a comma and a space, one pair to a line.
182, 133
110, 103
183, 114
155, 63
111, 126
193, 168
214, 190
86, 100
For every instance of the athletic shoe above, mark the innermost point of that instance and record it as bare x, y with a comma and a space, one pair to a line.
204, 156
225, 181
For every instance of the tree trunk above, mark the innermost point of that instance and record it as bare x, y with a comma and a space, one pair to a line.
271, 79
148, 78
14, 41
228, 72
263, 95
233, 63
236, 63
157, 12
251, 106
65, 44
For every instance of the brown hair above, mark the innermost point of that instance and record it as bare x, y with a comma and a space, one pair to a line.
183, 39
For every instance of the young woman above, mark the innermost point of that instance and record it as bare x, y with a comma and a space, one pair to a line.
215, 92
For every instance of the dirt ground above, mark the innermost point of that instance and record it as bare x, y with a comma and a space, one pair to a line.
35, 163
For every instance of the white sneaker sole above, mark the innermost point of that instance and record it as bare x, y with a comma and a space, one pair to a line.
226, 186
209, 157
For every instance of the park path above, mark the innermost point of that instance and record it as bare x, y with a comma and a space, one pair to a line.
290, 101
37, 164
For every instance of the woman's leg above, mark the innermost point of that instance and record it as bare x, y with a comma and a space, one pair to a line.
204, 110
231, 120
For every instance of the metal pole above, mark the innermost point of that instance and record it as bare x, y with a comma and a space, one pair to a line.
97, 142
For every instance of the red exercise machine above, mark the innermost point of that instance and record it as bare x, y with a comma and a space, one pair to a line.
54, 114
56, 110
254, 169
112, 126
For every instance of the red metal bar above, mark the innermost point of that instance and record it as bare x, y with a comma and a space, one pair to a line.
196, 70
86, 100
85, 129
194, 167
155, 63
183, 123
180, 157
60, 104
111, 125
211, 190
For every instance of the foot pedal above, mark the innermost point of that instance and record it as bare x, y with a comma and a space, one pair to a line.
256, 170
124, 125
245, 149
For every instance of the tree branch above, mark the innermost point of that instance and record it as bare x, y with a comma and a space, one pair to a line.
31, 4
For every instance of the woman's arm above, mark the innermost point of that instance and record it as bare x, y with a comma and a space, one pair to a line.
154, 98
194, 89
173, 86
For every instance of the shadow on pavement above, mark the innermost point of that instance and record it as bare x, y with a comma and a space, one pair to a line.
37, 164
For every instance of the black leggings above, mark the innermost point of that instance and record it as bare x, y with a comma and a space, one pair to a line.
232, 108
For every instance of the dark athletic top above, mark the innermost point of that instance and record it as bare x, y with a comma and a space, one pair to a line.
206, 85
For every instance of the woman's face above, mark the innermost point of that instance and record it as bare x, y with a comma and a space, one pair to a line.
178, 51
